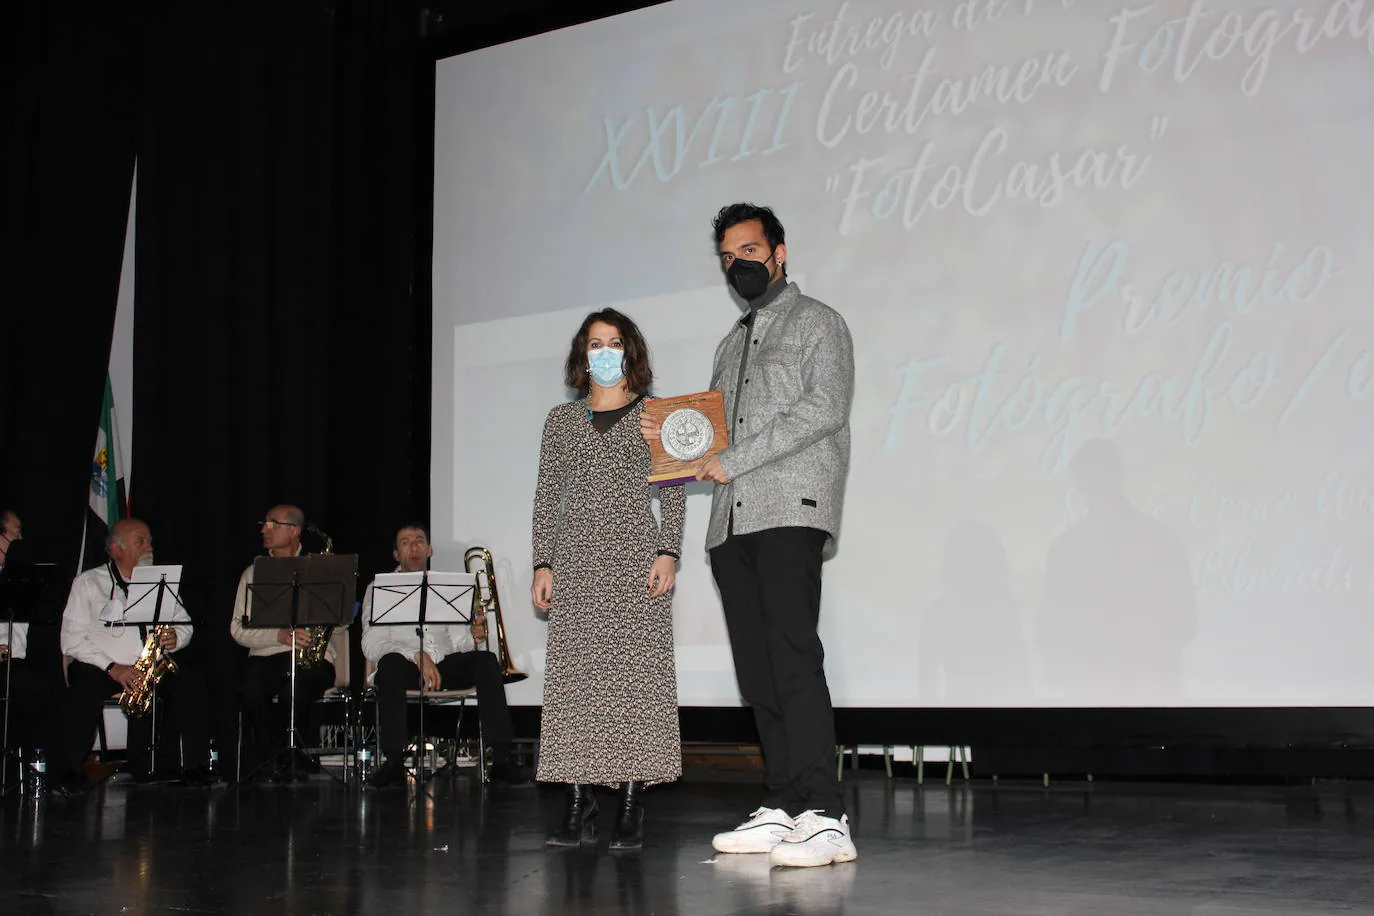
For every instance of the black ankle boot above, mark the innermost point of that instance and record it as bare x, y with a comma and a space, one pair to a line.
579, 820
629, 821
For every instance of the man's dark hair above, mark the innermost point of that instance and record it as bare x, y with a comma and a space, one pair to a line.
396, 541
734, 214
638, 375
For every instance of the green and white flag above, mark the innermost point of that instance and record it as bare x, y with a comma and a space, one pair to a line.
108, 497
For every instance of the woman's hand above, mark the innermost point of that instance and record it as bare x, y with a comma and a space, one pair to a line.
662, 575
541, 592
649, 427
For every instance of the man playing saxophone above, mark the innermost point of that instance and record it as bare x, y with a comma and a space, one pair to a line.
267, 673
447, 659
103, 664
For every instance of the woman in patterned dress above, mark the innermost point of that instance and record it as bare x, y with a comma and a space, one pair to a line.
604, 569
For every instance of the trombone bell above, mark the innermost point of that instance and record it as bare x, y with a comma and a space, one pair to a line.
478, 560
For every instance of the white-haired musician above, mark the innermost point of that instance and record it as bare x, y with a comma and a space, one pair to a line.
102, 659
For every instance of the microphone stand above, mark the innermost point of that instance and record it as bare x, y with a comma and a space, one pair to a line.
421, 742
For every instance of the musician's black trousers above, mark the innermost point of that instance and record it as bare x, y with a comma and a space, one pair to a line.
770, 589
32, 712
268, 676
396, 674
183, 693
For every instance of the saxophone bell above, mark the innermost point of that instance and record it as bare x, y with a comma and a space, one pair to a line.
312, 653
153, 664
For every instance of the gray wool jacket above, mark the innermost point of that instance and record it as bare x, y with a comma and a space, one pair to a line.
789, 418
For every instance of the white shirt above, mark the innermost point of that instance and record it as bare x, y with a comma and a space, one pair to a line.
441, 639
86, 638
260, 641
18, 641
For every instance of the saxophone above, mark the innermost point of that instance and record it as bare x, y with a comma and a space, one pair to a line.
153, 663
311, 655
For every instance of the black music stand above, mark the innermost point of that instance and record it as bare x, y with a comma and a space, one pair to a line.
291, 592
419, 599
153, 600
29, 593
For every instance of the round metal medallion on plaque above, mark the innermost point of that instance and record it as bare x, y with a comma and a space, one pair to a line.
687, 434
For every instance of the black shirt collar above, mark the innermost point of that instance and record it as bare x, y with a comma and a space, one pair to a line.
117, 580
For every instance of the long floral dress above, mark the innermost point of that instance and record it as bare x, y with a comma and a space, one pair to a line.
610, 683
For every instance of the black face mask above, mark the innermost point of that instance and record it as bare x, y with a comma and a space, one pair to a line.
749, 278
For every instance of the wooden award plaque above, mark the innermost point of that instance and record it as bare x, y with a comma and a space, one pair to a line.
694, 428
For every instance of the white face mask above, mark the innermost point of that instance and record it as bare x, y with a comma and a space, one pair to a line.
113, 611
607, 366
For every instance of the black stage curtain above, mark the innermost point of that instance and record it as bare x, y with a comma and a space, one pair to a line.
71, 88
281, 355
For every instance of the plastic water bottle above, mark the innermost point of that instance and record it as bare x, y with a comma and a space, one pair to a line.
38, 773
364, 761
214, 757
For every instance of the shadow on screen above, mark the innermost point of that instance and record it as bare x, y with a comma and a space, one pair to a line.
1119, 604
974, 626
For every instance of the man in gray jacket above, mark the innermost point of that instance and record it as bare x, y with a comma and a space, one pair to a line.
787, 372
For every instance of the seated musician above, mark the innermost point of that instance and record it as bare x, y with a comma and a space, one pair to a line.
12, 644
25, 690
102, 665
447, 660
267, 673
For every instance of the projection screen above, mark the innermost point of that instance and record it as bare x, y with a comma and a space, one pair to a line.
1107, 270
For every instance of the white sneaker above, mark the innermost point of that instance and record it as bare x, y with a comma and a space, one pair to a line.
816, 840
765, 829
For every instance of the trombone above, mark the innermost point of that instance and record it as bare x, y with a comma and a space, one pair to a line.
485, 600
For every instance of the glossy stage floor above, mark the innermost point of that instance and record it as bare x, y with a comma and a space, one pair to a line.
1101, 849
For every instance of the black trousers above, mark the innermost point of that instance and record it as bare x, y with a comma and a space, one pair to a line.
29, 700
396, 674
268, 676
770, 589
87, 690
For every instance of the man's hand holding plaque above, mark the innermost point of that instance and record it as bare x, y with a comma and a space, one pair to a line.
684, 434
